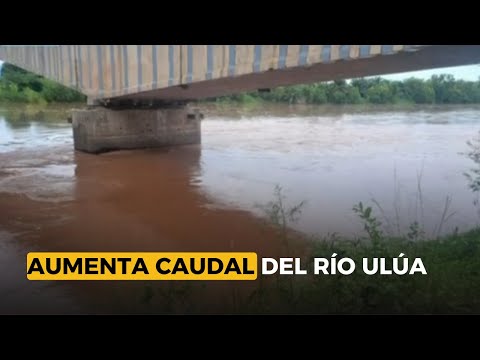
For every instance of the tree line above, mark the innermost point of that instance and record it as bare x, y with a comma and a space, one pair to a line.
18, 85
439, 89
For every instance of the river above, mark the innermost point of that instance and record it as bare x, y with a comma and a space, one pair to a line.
406, 164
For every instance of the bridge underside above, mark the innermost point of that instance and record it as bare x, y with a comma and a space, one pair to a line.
428, 58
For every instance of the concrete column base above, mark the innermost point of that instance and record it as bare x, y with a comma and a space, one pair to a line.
99, 129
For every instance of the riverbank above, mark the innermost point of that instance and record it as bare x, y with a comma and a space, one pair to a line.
445, 279
257, 108
18, 114
451, 284
263, 108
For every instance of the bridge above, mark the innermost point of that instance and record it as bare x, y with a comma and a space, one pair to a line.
138, 94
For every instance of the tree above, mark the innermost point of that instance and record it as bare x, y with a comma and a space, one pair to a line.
419, 91
381, 93
18, 85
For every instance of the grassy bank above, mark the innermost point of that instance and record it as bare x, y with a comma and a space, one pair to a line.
451, 284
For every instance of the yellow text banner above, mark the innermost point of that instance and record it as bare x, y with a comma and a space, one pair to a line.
142, 266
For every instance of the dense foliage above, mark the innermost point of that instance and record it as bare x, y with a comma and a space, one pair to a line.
439, 89
18, 85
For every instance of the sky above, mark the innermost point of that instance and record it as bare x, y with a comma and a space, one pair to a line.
469, 73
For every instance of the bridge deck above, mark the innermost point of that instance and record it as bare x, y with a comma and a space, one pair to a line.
188, 72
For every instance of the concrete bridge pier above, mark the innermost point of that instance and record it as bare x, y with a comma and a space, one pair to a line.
100, 129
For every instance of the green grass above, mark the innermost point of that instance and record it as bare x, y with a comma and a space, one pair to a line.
451, 285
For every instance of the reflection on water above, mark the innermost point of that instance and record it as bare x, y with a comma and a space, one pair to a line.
204, 197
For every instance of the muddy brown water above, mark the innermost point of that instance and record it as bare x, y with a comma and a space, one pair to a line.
206, 197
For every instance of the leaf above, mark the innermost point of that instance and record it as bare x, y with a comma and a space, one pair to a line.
368, 211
